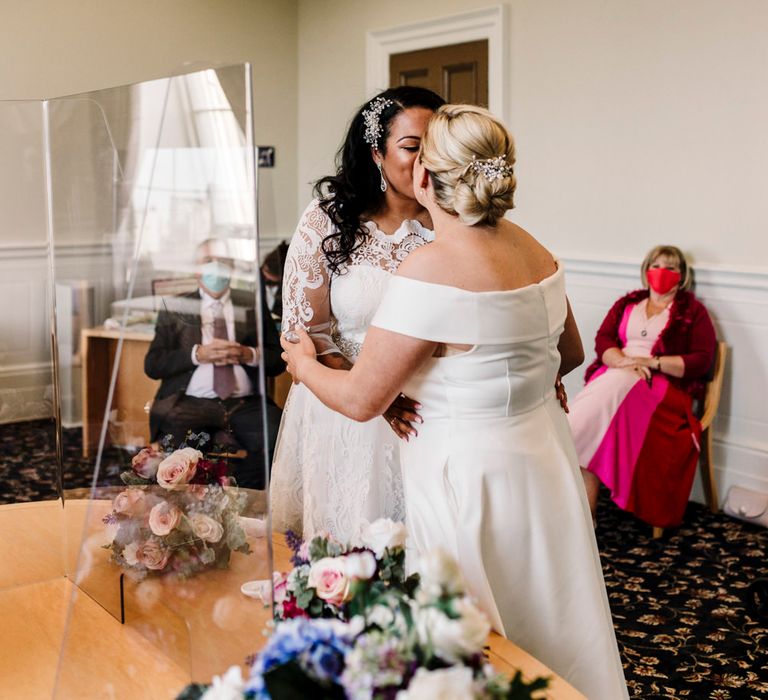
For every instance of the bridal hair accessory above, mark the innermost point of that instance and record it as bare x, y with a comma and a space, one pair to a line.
492, 168
383, 184
371, 116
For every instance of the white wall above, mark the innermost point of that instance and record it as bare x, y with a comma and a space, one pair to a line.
643, 121
636, 123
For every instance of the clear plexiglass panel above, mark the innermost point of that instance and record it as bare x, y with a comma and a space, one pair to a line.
30, 501
162, 348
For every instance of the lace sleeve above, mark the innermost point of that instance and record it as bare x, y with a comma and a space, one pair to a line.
306, 280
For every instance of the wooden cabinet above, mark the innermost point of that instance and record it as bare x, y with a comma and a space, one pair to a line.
133, 394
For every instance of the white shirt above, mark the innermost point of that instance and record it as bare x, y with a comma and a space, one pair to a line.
201, 384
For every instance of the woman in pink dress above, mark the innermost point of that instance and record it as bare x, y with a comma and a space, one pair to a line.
633, 423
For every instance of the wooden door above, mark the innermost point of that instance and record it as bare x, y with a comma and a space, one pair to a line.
458, 73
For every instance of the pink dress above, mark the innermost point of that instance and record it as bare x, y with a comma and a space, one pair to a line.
641, 440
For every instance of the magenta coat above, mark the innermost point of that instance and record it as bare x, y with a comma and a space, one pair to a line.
688, 333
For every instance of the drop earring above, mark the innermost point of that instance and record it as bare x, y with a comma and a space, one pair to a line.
381, 175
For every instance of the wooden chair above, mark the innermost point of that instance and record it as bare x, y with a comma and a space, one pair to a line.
278, 388
710, 404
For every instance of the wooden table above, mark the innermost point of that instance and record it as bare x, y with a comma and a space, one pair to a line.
172, 633
134, 390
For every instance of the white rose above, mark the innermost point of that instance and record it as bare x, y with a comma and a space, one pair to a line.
178, 468
129, 553
439, 573
456, 639
230, 686
382, 534
361, 565
328, 577
443, 684
163, 518
387, 619
206, 528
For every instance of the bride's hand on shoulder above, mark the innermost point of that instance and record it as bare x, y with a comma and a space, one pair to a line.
297, 346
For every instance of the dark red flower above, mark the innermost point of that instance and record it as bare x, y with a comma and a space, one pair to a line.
291, 610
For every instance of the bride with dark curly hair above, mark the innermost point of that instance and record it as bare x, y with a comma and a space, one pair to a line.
331, 473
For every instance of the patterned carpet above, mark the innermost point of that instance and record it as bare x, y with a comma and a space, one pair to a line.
28, 462
686, 619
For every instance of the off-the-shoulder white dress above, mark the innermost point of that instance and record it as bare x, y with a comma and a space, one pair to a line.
493, 476
329, 472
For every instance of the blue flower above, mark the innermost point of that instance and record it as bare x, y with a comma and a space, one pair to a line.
325, 661
319, 645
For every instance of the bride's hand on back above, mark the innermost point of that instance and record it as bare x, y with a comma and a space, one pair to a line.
296, 345
401, 415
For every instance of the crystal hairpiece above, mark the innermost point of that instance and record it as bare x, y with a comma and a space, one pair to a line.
492, 168
371, 116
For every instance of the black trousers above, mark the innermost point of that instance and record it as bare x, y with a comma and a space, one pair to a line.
241, 418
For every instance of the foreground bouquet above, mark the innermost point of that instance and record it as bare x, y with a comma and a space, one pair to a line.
351, 625
179, 514
332, 580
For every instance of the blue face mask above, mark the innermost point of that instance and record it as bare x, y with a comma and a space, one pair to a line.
215, 276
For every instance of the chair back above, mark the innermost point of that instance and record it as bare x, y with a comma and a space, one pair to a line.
714, 387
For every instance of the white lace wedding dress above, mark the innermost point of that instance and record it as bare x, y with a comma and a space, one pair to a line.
493, 476
330, 472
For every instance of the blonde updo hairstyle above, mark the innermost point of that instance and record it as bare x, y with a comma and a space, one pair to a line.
454, 135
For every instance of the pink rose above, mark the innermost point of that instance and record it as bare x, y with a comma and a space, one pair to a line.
163, 518
329, 579
153, 555
130, 502
280, 587
178, 468
145, 463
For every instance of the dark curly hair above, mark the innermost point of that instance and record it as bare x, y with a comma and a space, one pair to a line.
355, 188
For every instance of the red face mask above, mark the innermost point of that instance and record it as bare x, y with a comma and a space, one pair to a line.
662, 280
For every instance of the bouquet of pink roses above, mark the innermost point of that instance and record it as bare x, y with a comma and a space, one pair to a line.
179, 514
330, 579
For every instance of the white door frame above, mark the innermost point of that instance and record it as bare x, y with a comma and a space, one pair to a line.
489, 23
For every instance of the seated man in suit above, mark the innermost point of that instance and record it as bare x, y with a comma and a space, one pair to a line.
206, 354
